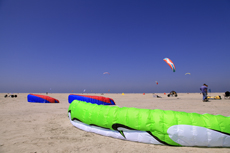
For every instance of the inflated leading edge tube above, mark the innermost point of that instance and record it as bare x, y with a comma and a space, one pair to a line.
35, 98
152, 126
100, 100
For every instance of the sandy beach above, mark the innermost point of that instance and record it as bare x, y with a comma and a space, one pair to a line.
42, 127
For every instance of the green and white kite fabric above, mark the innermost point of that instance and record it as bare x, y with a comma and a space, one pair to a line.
152, 126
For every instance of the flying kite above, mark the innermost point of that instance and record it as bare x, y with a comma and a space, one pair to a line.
35, 98
165, 127
170, 63
187, 73
156, 82
106, 73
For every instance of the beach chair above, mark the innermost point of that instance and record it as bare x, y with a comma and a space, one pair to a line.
227, 95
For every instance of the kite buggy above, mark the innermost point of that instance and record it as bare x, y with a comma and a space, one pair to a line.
172, 93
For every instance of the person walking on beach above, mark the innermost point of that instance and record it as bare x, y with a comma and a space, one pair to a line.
204, 90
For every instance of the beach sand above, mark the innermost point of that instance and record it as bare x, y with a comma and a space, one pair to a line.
41, 127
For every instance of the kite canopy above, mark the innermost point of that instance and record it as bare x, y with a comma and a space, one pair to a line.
187, 73
106, 73
92, 99
170, 63
156, 126
35, 98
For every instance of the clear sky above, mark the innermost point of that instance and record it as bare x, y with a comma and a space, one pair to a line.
67, 45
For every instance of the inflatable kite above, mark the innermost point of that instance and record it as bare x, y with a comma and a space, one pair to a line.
92, 99
34, 98
214, 97
106, 73
170, 63
152, 126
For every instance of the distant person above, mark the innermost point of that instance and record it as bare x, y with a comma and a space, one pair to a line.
204, 90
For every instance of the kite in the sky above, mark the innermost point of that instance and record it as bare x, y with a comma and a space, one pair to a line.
187, 73
156, 82
165, 127
106, 73
170, 63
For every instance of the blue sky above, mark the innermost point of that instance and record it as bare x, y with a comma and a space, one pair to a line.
67, 45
